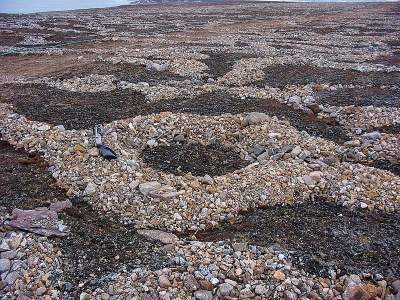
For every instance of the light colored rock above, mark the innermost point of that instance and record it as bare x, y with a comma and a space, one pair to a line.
260, 289
162, 236
316, 175
84, 296
134, 184
40, 291
224, 289
5, 265
239, 246
207, 179
147, 187
296, 151
4, 246
203, 295
255, 118
164, 282
375, 135
44, 127
90, 189
308, 180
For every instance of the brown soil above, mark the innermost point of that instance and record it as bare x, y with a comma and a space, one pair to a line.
31, 66
360, 97
214, 159
284, 75
122, 71
24, 180
322, 236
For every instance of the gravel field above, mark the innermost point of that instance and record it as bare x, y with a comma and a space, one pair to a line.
257, 144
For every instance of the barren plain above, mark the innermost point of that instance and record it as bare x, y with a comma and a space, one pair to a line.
258, 151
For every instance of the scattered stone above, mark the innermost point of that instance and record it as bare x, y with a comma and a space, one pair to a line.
224, 289
361, 292
5, 265
40, 291
44, 127
164, 282
147, 187
254, 118
203, 295
239, 246
90, 189
375, 135
191, 283
158, 235
279, 275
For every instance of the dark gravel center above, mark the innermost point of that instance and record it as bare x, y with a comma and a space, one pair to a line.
323, 236
214, 159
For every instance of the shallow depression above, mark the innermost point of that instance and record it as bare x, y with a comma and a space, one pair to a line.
322, 235
213, 159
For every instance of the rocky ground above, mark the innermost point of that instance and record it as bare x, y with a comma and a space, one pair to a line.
258, 151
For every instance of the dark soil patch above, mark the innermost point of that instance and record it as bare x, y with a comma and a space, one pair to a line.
360, 97
220, 63
322, 236
122, 71
24, 180
390, 129
241, 44
9, 38
393, 43
384, 164
388, 60
74, 110
214, 159
284, 75
98, 247
84, 110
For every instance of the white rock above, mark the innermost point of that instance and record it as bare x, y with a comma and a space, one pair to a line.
316, 175
158, 235
375, 135
5, 265
134, 184
90, 188
44, 127
177, 216
147, 187
152, 143
255, 118
296, 151
203, 295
